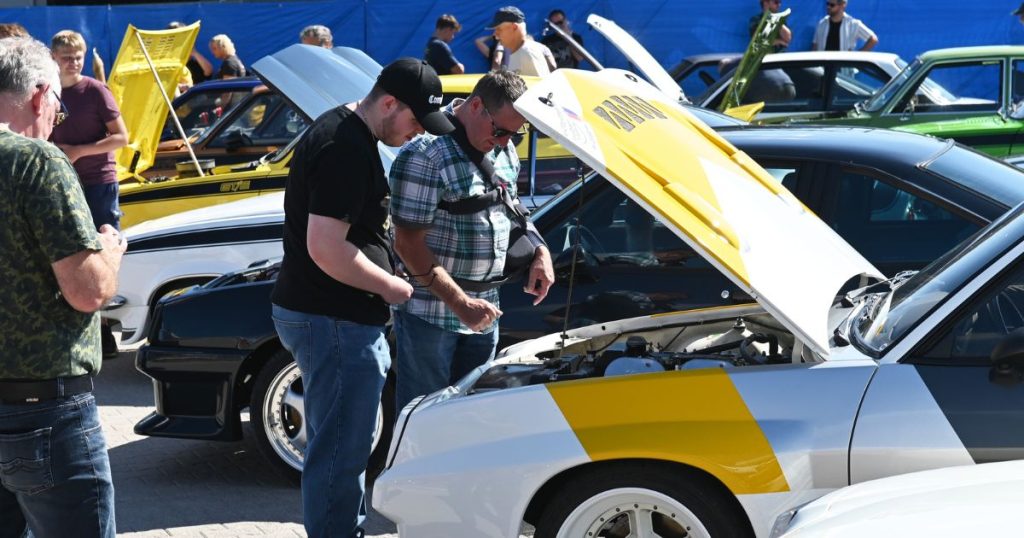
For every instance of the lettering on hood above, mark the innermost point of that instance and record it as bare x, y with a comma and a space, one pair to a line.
627, 111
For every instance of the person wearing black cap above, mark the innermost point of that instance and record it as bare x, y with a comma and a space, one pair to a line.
525, 56
330, 302
458, 254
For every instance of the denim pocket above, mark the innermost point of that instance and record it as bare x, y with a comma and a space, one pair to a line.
297, 339
25, 461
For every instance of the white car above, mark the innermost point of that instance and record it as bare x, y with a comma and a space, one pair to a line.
976, 500
810, 85
713, 422
196, 246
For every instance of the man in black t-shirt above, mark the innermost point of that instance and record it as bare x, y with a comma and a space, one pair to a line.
439, 54
337, 279
224, 50
565, 55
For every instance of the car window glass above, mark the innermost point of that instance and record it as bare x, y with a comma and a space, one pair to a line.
616, 231
1017, 83
988, 320
887, 224
854, 83
958, 87
699, 80
795, 88
243, 130
201, 111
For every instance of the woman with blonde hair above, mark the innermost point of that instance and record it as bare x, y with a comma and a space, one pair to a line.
224, 50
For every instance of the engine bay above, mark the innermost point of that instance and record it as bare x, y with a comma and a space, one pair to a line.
746, 341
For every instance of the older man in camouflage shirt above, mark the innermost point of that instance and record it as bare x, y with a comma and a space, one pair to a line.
57, 272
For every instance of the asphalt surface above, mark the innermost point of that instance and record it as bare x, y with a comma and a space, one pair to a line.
173, 487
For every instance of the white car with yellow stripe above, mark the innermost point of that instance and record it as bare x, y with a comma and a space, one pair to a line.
715, 422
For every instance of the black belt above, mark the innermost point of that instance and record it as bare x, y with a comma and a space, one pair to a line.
29, 392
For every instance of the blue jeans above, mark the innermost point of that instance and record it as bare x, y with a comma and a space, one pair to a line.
343, 367
54, 470
103, 205
429, 358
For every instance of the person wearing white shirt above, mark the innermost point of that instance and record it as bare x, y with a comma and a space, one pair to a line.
840, 31
524, 55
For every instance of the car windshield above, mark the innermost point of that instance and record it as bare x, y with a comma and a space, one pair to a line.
888, 316
935, 92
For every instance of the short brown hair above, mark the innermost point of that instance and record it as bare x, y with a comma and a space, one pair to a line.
69, 39
498, 88
447, 21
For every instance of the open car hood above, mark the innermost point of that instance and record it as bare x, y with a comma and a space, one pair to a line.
315, 79
712, 195
638, 56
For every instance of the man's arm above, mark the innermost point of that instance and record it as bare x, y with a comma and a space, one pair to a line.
411, 246
326, 240
118, 138
785, 36
870, 43
88, 279
542, 275
203, 62
458, 69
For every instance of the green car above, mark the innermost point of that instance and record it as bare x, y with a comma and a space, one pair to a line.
969, 94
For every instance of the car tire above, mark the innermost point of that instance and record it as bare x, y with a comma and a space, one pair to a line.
277, 416
641, 500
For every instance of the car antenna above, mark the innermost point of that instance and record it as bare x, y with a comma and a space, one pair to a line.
576, 246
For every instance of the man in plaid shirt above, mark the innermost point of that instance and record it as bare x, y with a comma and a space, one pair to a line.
450, 325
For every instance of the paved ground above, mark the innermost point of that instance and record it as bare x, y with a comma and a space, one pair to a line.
171, 487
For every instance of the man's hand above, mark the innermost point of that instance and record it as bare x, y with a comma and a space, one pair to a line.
542, 275
71, 151
398, 291
112, 240
477, 314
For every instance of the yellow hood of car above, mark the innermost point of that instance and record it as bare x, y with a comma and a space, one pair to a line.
712, 195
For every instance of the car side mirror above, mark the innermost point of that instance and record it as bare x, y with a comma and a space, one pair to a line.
583, 266
1008, 359
908, 110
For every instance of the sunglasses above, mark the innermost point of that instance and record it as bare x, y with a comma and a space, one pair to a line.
559, 23
61, 115
497, 132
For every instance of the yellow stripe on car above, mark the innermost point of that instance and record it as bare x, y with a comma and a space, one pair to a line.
654, 416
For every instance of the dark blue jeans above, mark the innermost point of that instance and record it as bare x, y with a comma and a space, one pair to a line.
343, 367
54, 470
429, 358
103, 204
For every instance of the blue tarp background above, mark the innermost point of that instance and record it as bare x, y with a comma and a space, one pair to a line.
387, 29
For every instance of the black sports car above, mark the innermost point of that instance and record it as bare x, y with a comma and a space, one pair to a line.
213, 351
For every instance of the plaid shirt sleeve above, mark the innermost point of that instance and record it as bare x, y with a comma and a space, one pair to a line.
416, 187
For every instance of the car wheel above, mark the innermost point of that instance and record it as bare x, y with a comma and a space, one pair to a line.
642, 501
278, 415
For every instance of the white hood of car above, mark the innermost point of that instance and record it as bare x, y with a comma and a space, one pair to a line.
712, 195
972, 500
315, 79
255, 210
638, 56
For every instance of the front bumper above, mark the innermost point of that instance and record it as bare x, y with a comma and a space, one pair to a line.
194, 392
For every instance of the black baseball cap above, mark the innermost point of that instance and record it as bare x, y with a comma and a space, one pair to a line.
1020, 11
415, 83
507, 14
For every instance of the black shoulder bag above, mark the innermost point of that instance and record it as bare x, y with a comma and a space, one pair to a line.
523, 238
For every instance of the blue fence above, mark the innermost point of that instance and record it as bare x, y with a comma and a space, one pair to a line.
387, 29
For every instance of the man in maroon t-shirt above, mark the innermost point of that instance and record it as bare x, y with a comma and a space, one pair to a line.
90, 134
